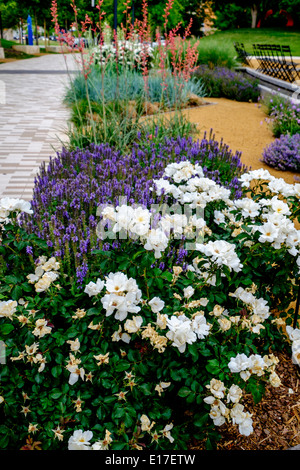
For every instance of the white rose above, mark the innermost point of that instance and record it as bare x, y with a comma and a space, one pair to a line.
188, 292
180, 332
156, 304
93, 288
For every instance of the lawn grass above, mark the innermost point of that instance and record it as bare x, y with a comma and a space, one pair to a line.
248, 36
7, 44
10, 53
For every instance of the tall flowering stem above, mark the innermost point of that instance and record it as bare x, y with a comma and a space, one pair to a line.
167, 10
182, 55
54, 14
144, 34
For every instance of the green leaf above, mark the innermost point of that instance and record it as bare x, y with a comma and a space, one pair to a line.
16, 293
201, 420
159, 282
184, 392
26, 287
213, 367
195, 386
56, 371
128, 421
118, 413
4, 441
193, 350
93, 311
121, 366
11, 279
146, 389
106, 383
99, 413
55, 394
119, 445
20, 245
6, 329
138, 253
38, 378
168, 276
257, 390
209, 445
190, 275
191, 397
109, 399
107, 254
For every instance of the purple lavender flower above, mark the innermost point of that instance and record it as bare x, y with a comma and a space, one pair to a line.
81, 273
283, 153
29, 250
224, 82
76, 183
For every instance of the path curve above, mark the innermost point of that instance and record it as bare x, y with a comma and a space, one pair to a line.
33, 122
33, 119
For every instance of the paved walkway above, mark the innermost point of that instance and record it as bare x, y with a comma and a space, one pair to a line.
33, 119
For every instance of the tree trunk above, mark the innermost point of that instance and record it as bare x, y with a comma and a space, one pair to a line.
254, 12
21, 31
36, 30
1, 29
45, 34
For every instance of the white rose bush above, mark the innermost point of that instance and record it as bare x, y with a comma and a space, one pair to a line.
148, 354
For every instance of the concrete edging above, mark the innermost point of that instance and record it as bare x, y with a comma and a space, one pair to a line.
58, 49
287, 89
27, 49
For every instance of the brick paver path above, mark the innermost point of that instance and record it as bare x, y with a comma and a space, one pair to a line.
33, 119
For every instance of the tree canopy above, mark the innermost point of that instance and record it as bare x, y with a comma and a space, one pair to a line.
182, 11
259, 8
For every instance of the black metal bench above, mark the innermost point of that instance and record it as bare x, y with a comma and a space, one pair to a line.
276, 61
242, 55
292, 69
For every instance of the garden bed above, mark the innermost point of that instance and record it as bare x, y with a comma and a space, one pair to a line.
202, 249
276, 418
242, 126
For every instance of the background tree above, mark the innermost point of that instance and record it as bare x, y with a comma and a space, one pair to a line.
39, 10
256, 8
10, 13
181, 12
293, 8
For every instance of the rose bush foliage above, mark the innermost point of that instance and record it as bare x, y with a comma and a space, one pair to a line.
143, 357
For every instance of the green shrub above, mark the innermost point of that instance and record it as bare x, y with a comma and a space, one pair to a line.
283, 114
213, 52
143, 358
232, 16
223, 82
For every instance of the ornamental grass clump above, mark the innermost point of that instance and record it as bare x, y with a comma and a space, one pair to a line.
143, 358
222, 82
68, 192
130, 86
118, 109
283, 153
110, 94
